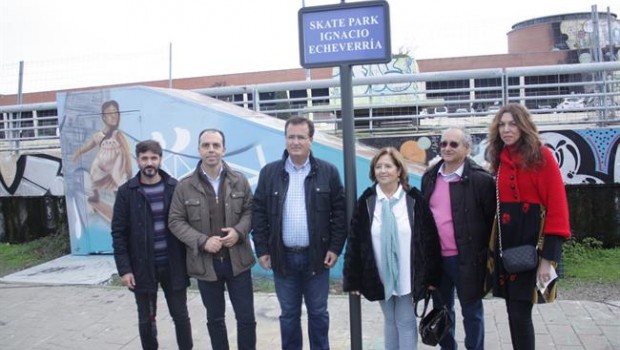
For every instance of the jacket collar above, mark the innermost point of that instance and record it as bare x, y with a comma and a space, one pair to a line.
226, 175
469, 165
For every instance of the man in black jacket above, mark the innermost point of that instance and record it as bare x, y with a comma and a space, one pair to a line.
145, 251
299, 232
461, 196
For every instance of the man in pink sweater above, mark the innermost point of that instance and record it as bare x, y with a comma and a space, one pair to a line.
461, 195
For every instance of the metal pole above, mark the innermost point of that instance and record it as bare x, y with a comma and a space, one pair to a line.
20, 99
306, 70
20, 83
612, 56
170, 66
596, 32
348, 143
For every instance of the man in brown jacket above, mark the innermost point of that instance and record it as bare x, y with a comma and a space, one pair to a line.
211, 213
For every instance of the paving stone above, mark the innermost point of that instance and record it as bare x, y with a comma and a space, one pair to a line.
99, 318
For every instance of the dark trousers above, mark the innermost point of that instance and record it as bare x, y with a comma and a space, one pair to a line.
473, 312
177, 306
521, 325
241, 296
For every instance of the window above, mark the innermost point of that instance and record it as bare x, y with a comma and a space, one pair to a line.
47, 122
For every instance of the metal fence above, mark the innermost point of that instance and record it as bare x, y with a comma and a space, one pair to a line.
559, 95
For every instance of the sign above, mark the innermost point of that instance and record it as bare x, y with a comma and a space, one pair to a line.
348, 33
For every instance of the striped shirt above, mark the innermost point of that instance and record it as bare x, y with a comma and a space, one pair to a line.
155, 195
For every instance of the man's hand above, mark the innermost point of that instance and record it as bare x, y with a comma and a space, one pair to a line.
213, 245
330, 259
265, 262
231, 237
128, 280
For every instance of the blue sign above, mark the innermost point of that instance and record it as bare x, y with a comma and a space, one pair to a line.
349, 33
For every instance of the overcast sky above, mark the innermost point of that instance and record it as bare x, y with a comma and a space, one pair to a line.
77, 43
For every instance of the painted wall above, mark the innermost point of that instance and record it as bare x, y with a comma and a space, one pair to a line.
580, 34
585, 156
174, 118
406, 93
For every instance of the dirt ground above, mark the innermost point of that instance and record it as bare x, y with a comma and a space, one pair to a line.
593, 291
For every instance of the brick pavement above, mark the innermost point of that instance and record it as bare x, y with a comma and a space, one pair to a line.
44, 316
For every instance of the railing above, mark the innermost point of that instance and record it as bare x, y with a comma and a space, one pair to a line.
576, 94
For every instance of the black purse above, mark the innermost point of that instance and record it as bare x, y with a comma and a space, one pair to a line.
520, 258
434, 325
517, 259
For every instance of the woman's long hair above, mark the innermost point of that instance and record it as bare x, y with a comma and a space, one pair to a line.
529, 144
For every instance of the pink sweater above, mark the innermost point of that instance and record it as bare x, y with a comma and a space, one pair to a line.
441, 207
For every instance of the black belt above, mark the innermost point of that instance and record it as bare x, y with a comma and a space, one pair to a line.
295, 249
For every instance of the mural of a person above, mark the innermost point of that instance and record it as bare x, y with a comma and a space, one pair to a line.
112, 164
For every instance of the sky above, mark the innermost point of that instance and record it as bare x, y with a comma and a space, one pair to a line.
81, 43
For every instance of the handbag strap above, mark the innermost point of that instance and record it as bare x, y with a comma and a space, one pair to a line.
427, 298
497, 213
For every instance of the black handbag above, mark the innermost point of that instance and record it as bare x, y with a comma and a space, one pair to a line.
520, 258
434, 325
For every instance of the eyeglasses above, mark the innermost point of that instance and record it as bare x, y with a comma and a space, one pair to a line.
297, 137
452, 144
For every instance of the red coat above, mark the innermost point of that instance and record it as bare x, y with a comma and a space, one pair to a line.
522, 192
543, 185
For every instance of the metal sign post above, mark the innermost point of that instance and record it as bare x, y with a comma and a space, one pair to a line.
350, 185
343, 35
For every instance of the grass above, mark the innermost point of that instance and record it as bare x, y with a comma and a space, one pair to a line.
586, 262
603, 266
16, 257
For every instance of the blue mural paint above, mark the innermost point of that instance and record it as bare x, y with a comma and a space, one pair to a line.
174, 118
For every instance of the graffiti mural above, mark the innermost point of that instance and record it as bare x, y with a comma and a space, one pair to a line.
32, 175
175, 119
581, 35
586, 156
392, 93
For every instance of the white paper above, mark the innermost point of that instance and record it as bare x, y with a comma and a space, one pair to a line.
542, 286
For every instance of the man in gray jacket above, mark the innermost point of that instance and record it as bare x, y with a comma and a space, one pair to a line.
211, 213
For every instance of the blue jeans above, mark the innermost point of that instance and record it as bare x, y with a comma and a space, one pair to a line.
473, 312
399, 327
241, 296
177, 306
300, 282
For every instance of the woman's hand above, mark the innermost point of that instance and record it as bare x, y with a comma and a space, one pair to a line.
544, 270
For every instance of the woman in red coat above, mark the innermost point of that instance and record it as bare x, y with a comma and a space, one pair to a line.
532, 210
